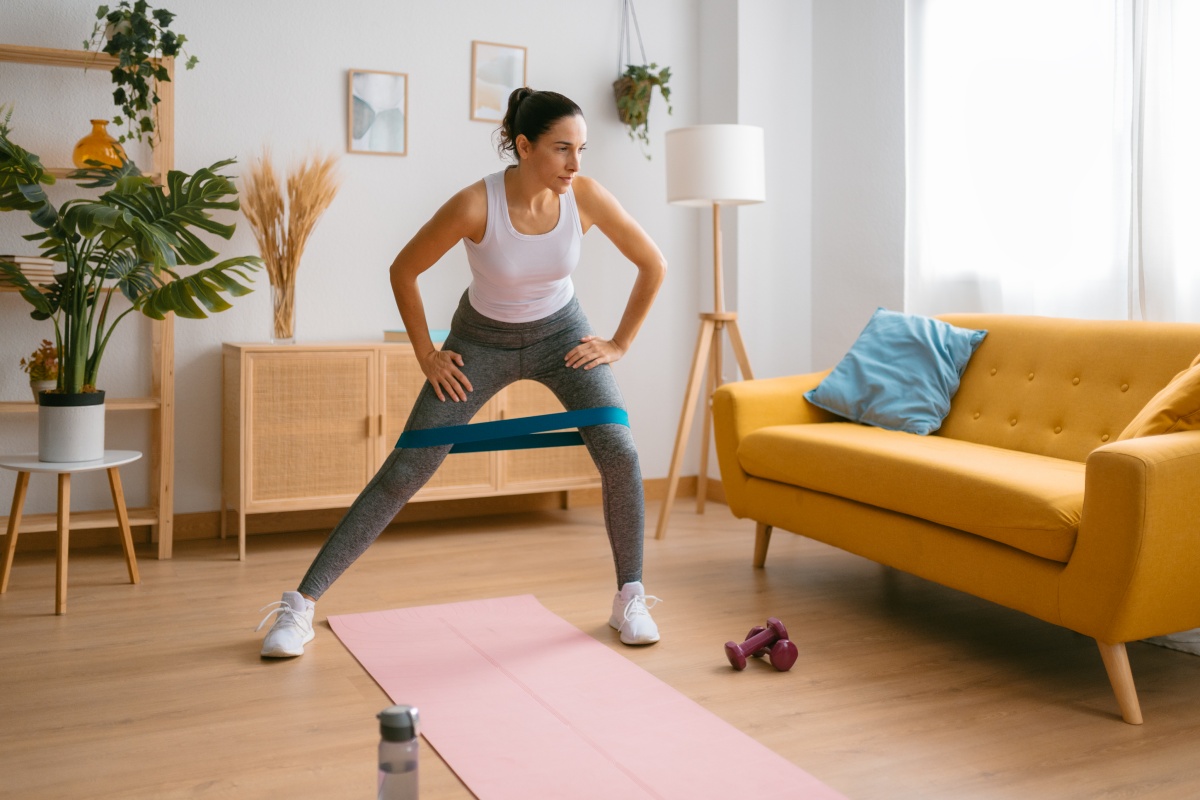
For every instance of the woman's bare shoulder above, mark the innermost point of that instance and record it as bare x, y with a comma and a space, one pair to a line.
470, 199
596, 204
589, 190
465, 213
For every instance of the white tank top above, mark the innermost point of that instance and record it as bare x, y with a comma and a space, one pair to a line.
517, 277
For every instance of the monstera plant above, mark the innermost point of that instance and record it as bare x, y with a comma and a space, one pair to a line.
136, 239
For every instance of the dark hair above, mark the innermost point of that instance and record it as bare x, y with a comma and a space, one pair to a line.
532, 113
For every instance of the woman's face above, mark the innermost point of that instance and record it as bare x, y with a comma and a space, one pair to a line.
554, 158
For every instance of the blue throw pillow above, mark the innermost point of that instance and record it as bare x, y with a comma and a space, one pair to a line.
900, 374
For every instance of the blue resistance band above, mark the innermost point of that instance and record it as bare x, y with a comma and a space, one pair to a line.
522, 433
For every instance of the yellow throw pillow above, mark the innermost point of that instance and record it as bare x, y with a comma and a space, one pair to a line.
1176, 408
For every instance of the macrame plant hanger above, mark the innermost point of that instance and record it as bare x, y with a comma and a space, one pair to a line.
624, 44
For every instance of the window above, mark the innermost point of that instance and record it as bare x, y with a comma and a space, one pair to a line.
1042, 171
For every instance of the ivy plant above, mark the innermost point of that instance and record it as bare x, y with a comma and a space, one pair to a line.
137, 34
633, 91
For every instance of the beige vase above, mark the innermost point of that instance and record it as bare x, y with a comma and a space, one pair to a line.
41, 386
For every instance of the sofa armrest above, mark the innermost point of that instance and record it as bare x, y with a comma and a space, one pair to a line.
1135, 570
741, 408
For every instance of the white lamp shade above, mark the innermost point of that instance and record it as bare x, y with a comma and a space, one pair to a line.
709, 164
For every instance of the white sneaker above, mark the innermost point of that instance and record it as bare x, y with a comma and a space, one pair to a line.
631, 615
292, 629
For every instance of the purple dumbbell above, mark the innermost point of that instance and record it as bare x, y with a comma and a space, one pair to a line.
766, 637
762, 651
783, 655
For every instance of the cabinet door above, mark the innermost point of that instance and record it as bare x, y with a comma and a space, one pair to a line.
461, 475
544, 468
309, 434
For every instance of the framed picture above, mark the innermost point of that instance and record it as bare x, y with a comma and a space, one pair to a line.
496, 70
377, 117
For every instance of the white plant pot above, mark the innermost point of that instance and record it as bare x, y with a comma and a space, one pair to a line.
71, 427
41, 386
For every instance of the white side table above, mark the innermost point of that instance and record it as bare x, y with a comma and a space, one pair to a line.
24, 465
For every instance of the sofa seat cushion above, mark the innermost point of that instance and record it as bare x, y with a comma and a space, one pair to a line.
1023, 500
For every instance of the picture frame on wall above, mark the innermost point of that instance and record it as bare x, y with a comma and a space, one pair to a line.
496, 71
377, 113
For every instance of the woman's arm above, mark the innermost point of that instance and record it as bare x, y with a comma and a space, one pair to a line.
463, 216
598, 207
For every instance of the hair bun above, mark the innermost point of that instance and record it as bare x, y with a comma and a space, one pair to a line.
531, 119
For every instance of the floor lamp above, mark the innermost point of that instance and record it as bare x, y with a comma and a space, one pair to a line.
710, 165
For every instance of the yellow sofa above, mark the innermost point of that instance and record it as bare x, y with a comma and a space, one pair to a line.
1024, 497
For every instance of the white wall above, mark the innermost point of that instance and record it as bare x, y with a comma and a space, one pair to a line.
275, 72
857, 169
774, 240
805, 269
756, 69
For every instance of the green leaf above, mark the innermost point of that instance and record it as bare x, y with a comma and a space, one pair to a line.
40, 302
101, 176
135, 234
206, 286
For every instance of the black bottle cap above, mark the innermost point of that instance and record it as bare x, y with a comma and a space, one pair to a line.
398, 723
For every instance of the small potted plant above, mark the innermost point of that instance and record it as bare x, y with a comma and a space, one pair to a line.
135, 240
42, 368
633, 91
139, 36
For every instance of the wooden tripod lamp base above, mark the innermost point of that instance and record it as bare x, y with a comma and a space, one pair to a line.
709, 346
710, 165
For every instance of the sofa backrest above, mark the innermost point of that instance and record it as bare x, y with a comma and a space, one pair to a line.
1062, 387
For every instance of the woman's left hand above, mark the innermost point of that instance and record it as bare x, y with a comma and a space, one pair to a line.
592, 352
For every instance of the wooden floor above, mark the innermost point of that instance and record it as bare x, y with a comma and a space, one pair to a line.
903, 689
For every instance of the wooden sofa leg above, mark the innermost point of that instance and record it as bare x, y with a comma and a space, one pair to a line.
762, 540
1116, 663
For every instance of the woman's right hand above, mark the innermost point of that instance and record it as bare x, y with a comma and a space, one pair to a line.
441, 368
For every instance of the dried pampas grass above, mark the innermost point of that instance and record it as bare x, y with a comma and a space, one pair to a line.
282, 228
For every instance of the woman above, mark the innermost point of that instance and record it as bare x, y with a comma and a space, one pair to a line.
519, 319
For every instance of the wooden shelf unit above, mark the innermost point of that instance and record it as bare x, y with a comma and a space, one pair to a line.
305, 427
160, 515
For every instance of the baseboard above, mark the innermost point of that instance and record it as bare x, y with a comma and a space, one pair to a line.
715, 491
207, 524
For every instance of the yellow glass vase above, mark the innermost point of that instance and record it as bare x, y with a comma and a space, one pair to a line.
98, 146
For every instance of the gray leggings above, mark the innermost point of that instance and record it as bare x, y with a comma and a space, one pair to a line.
496, 354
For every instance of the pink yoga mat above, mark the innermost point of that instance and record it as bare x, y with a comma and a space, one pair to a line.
522, 704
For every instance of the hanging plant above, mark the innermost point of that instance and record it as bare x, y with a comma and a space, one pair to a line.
137, 35
633, 90
634, 86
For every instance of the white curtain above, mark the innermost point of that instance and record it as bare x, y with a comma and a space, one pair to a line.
1168, 282
1048, 151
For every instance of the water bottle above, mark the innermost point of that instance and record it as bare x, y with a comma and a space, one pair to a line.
398, 752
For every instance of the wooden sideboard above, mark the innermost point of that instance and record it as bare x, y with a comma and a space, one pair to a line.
306, 426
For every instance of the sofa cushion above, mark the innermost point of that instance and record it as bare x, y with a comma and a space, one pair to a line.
1175, 408
1062, 387
1023, 500
900, 373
